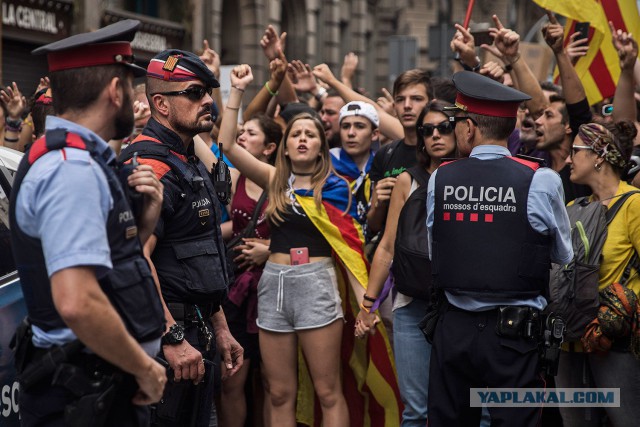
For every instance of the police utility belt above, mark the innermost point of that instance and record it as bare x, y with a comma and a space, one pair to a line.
91, 380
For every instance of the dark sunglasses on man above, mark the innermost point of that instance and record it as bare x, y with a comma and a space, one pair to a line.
444, 128
193, 93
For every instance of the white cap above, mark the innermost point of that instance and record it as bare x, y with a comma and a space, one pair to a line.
359, 108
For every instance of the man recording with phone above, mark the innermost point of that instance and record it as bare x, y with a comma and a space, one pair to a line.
186, 249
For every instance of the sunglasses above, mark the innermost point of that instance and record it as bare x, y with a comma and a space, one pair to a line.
576, 148
444, 128
193, 93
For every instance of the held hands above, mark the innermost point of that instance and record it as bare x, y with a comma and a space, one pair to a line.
15, 102
186, 362
626, 47
366, 324
241, 76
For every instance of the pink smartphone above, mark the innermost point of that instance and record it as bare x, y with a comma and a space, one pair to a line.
299, 256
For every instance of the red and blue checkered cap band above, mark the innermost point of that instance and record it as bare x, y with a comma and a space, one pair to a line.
179, 73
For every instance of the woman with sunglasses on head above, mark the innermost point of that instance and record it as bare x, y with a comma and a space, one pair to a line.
609, 353
436, 140
313, 240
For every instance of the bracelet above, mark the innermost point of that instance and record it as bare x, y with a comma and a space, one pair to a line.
365, 308
468, 68
13, 125
11, 140
272, 93
509, 67
318, 96
239, 88
370, 299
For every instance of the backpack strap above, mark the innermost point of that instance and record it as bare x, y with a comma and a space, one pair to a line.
613, 210
388, 154
634, 262
418, 173
56, 139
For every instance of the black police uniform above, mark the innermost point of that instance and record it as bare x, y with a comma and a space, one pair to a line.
126, 285
189, 259
485, 249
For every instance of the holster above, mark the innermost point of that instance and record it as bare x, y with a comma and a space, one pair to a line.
95, 395
22, 345
516, 321
41, 364
429, 322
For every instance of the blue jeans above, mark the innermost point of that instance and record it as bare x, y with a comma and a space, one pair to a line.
412, 354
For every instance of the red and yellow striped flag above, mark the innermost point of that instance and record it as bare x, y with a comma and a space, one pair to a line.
599, 69
368, 371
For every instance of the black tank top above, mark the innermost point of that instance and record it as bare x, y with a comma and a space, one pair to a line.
297, 231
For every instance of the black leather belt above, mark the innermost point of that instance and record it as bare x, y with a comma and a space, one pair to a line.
183, 312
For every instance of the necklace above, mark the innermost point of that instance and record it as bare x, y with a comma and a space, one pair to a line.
302, 174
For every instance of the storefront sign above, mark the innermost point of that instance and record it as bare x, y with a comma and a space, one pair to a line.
48, 21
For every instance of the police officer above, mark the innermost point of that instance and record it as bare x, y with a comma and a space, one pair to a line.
495, 224
96, 317
186, 248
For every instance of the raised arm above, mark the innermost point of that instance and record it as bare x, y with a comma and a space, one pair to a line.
571, 85
212, 60
507, 43
389, 125
273, 46
260, 102
624, 103
255, 170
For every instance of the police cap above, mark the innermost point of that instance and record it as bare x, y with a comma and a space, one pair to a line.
106, 46
481, 95
175, 65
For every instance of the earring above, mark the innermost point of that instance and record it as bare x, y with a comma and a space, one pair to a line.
598, 167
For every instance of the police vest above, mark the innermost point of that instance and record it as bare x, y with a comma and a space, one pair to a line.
129, 284
482, 239
190, 257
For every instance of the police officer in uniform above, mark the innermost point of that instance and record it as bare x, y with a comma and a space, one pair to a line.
186, 249
495, 224
96, 320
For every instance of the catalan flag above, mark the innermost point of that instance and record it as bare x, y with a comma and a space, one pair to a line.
599, 70
369, 377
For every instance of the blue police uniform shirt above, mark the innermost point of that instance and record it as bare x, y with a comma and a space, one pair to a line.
546, 213
64, 201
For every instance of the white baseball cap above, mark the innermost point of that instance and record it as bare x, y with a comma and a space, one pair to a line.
359, 108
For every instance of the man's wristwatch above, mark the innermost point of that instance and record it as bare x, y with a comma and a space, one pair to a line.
174, 336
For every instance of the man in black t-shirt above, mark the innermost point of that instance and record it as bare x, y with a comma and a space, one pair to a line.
411, 93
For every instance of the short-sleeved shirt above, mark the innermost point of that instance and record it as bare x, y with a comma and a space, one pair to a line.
392, 159
64, 201
546, 213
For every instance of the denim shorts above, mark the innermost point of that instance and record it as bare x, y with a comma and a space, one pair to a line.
297, 297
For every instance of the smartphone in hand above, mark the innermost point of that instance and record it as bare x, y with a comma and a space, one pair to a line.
583, 29
299, 256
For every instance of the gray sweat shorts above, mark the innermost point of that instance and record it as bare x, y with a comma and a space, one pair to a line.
297, 297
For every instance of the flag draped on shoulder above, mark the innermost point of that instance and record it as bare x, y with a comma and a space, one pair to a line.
599, 69
369, 377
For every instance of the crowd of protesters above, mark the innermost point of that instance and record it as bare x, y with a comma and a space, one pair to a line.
321, 172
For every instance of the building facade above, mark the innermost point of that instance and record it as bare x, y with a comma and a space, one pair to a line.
317, 31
